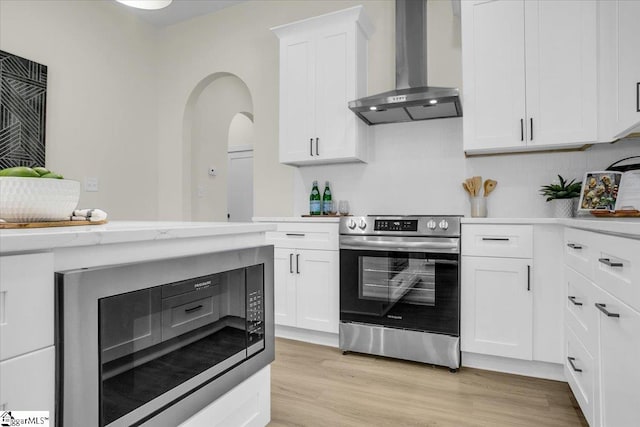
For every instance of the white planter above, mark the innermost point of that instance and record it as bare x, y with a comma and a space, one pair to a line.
37, 199
563, 208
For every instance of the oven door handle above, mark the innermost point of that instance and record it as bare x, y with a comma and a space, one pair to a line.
449, 247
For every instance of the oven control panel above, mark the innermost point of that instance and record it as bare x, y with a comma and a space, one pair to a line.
396, 225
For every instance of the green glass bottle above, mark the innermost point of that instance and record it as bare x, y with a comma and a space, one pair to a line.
315, 203
327, 203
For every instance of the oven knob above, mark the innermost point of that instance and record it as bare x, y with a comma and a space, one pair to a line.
363, 224
443, 224
431, 225
351, 224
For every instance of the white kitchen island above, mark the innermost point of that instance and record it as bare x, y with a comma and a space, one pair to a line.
30, 257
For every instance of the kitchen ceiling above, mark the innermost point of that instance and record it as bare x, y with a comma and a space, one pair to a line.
181, 10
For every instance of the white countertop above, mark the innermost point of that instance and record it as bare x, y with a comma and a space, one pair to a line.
15, 240
629, 227
315, 219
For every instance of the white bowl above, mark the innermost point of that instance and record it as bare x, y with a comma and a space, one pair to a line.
37, 199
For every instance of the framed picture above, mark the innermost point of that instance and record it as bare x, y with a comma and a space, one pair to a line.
600, 191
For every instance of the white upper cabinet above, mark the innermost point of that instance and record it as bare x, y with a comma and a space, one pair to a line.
529, 75
619, 26
322, 68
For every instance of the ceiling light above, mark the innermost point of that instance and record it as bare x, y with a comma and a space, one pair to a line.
374, 108
146, 4
433, 101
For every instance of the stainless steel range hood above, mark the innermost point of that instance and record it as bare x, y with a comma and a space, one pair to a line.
412, 99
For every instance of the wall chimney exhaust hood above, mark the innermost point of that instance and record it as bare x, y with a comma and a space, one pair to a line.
412, 99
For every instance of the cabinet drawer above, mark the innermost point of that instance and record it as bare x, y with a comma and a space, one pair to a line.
578, 251
304, 236
28, 382
581, 314
26, 303
505, 241
580, 372
186, 312
617, 269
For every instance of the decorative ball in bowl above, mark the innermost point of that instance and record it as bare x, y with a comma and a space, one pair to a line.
37, 199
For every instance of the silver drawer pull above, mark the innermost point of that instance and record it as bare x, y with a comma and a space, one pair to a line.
573, 300
607, 261
573, 366
496, 239
574, 246
295, 234
602, 308
192, 309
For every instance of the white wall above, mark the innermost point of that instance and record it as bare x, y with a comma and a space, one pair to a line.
101, 96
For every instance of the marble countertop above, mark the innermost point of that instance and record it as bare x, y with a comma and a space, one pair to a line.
315, 219
14, 240
629, 227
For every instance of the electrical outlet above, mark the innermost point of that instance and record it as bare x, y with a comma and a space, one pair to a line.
91, 184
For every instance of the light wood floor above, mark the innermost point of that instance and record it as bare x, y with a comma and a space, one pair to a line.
313, 385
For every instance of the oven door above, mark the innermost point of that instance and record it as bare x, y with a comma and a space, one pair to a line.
416, 289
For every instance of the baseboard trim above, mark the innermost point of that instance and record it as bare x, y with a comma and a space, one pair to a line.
529, 368
306, 335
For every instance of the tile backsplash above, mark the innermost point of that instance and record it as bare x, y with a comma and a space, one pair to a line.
418, 168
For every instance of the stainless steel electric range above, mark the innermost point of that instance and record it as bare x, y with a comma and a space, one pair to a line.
400, 287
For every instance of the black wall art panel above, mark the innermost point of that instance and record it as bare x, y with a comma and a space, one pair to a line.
23, 105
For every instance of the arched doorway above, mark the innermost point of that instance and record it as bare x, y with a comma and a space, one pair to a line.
240, 175
210, 112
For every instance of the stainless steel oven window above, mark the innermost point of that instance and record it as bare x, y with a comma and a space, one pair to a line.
397, 277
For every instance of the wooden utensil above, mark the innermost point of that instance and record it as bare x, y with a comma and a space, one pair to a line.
469, 183
489, 186
466, 187
477, 185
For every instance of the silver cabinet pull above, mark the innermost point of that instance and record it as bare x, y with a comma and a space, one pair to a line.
317, 143
528, 277
311, 146
297, 263
607, 261
602, 308
295, 234
196, 308
291, 263
521, 129
638, 97
573, 366
574, 246
573, 300
531, 122
496, 239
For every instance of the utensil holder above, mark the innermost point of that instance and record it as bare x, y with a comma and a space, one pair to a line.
478, 207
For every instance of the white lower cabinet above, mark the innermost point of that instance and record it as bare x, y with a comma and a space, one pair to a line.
306, 289
497, 307
27, 382
619, 357
603, 330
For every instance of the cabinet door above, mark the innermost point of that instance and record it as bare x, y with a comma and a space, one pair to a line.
26, 303
619, 355
334, 89
284, 287
619, 66
561, 70
493, 74
496, 309
297, 99
317, 290
27, 382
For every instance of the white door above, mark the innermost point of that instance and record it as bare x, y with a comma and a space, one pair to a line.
561, 70
284, 286
317, 290
619, 353
240, 186
297, 99
497, 307
493, 74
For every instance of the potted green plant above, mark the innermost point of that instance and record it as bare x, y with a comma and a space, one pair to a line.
563, 196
